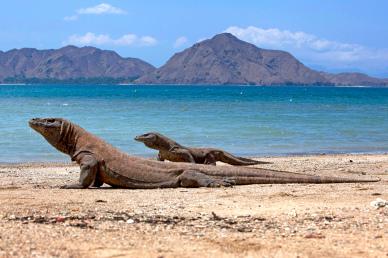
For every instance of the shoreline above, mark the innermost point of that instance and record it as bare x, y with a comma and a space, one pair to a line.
258, 157
199, 85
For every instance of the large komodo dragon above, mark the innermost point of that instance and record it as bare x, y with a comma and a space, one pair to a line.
101, 163
173, 151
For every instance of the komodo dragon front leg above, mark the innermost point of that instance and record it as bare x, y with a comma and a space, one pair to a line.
88, 175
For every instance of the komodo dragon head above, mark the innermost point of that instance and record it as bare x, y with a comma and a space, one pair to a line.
57, 131
149, 139
156, 141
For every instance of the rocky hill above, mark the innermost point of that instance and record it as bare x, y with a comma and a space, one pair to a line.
68, 63
225, 59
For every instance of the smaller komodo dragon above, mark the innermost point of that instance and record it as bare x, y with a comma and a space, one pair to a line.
173, 151
102, 163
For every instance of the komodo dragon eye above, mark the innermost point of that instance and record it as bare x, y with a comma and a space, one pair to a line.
52, 122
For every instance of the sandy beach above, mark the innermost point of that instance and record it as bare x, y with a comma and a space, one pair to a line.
293, 220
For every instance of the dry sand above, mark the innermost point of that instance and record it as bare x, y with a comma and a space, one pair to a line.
292, 220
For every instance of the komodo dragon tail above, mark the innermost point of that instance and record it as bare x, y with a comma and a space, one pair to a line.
246, 176
237, 161
308, 179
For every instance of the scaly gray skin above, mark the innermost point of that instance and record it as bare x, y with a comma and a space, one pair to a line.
173, 151
101, 163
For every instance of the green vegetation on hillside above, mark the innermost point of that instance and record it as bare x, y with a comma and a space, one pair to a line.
95, 80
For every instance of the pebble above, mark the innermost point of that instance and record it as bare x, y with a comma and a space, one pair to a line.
379, 203
60, 219
314, 235
293, 214
376, 194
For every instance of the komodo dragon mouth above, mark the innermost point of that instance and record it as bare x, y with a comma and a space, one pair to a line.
146, 137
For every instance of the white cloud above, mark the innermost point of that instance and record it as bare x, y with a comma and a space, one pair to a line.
148, 40
284, 39
104, 39
101, 9
312, 49
180, 42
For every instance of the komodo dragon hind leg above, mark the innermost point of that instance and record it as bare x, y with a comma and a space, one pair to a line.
89, 168
184, 154
193, 178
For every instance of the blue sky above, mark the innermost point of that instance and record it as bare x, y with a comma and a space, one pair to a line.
328, 35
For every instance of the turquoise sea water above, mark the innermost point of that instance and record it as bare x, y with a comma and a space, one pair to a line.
242, 120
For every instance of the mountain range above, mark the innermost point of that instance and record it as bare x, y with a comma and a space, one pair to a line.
69, 63
221, 60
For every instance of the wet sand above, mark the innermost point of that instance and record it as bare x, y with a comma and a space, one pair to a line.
292, 220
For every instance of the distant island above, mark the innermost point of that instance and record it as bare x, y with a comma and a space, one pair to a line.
221, 60
69, 64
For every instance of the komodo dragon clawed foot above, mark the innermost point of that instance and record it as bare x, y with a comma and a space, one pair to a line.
222, 183
72, 186
193, 178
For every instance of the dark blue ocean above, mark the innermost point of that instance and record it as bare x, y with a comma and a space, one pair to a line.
252, 121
